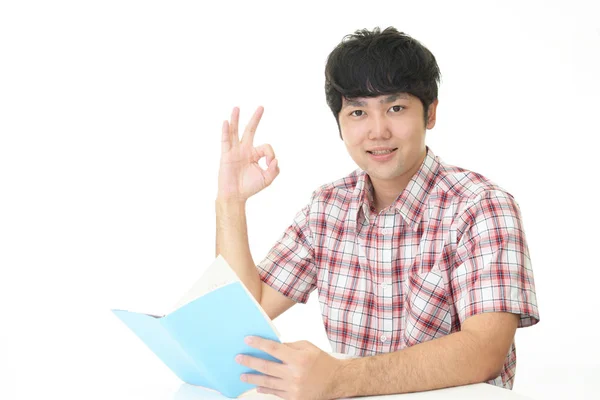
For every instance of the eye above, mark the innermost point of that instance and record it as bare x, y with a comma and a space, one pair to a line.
355, 111
397, 108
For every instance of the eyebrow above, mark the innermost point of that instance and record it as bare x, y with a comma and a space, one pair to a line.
389, 99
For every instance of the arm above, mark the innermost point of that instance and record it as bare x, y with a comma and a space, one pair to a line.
232, 243
475, 354
232, 229
240, 177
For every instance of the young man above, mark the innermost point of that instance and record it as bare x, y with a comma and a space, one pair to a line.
422, 268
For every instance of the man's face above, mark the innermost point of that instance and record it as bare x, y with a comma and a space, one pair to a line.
385, 135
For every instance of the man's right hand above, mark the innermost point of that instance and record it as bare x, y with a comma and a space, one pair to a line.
240, 176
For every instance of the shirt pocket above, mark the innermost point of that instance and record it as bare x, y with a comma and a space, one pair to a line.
427, 313
348, 287
345, 287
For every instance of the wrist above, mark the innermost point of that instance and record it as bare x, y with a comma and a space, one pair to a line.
230, 202
345, 379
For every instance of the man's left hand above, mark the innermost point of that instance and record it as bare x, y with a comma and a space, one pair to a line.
305, 372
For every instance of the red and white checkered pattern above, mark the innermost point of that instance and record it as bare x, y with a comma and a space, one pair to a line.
451, 246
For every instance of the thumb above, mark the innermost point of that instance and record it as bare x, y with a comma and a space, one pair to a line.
272, 171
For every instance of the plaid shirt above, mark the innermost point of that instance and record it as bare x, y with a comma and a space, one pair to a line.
451, 246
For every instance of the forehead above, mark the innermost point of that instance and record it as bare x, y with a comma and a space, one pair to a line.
383, 99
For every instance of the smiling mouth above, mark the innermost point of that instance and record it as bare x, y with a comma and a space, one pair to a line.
382, 152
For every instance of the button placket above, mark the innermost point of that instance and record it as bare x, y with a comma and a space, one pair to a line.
385, 224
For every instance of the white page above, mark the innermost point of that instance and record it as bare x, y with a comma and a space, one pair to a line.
218, 274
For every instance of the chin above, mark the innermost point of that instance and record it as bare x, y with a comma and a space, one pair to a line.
383, 176
385, 171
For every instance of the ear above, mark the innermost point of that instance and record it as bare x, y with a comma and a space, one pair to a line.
431, 114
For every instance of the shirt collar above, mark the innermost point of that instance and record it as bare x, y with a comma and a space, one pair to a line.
411, 203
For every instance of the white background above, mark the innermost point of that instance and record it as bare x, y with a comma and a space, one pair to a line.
110, 121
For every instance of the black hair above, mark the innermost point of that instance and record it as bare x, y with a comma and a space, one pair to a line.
374, 63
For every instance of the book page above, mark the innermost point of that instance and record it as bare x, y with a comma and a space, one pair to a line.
218, 274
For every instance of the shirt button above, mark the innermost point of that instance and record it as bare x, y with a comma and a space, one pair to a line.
385, 231
385, 286
383, 338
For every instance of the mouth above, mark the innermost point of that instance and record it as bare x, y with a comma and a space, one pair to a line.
381, 152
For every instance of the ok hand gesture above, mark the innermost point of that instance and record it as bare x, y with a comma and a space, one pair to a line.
240, 176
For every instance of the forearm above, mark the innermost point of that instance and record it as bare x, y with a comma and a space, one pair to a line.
453, 360
232, 243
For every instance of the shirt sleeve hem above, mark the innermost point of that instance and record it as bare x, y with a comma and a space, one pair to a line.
272, 281
526, 319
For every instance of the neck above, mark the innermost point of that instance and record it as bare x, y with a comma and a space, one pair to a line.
385, 192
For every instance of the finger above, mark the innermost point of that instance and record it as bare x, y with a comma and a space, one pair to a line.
271, 173
265, 150
233, 127
225, 139
271, 368
264, 381
278, 350
250, 130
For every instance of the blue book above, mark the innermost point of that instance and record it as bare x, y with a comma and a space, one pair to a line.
199, 339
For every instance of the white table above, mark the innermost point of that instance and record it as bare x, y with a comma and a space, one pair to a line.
470, 392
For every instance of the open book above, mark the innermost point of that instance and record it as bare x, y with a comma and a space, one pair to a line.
200, 337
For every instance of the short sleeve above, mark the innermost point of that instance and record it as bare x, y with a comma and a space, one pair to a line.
493, 271
289, 267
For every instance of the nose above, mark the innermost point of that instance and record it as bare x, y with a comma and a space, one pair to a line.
379, 128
